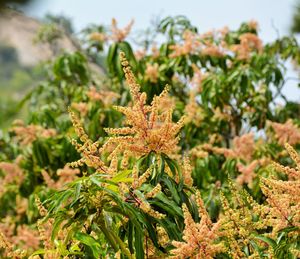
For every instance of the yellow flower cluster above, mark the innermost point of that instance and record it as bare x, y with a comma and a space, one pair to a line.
98, 36
9, 250
187, 172
199, 239
146, 207
154, 191
237, 221
284, 196
193, 111
243, 148
213, 44
89, 149
81, 107
150, 129
163, 238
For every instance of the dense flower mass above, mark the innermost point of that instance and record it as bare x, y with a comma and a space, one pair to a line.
27, 134
286, 132
200, 239
284, 196
150, 128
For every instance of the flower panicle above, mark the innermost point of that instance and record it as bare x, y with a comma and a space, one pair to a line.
119, 35
156, 190
283, 197
146, 207
9, 248
148, 127
200, 240
42, 210
89, 150
138, 181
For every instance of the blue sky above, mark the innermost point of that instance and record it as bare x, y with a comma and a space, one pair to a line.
205, 15
274, 16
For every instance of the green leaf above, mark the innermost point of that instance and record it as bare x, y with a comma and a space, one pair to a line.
267, 240
122, 177
139, 243
90, 242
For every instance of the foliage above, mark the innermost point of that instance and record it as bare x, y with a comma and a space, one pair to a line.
112, 165
295, 28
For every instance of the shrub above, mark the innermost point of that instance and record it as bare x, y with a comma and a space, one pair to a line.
168, 154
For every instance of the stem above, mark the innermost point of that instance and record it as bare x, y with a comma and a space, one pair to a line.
108, 235
122, 246
113, 239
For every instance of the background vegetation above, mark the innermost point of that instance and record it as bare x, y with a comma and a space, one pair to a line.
181, 147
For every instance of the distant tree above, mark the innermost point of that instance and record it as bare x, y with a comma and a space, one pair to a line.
8, 54
21, 2
295, 28
62, 21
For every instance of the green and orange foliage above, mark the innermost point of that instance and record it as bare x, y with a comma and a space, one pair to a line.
145, 193
122, 178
